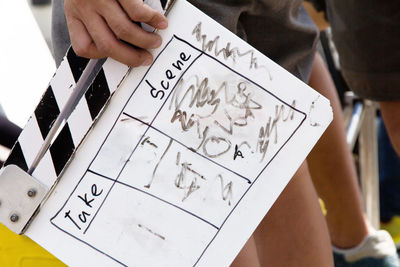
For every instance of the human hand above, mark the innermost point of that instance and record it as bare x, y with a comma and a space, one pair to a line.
103, 28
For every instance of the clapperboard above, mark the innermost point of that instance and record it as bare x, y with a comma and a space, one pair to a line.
173, 164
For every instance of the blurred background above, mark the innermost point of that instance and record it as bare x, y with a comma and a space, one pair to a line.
26, 62
26, 67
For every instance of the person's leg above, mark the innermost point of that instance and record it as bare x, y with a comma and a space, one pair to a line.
294, 232
391, 117
335, 180
333, 171
248, 255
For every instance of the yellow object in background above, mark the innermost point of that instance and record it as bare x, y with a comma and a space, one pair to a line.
393, 227
21, 251
322, 204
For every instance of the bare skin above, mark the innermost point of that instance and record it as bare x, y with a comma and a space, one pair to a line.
333, 171
294, 232
248, 255
98, 29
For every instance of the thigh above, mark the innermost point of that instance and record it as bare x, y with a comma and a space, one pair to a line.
294, 232
248, 255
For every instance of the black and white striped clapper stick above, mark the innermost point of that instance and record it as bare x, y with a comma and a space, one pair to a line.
88, 75
77, 94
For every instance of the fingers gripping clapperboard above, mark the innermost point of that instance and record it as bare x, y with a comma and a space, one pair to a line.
174, 164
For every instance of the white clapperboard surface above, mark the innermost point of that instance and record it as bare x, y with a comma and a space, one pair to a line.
185, 160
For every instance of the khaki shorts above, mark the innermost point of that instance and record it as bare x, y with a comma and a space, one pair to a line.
367, 37
280, 29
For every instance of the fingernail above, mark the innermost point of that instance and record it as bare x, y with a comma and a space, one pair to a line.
147, 62
157, 43
162, 25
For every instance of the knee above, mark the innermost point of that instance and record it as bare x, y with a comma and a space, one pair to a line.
391, 117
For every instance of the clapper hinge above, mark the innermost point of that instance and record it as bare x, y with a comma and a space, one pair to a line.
20, 193
20, 198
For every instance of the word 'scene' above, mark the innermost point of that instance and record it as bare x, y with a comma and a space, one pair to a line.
169, 75
84, 214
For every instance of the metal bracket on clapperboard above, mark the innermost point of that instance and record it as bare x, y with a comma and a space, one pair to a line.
21, 194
